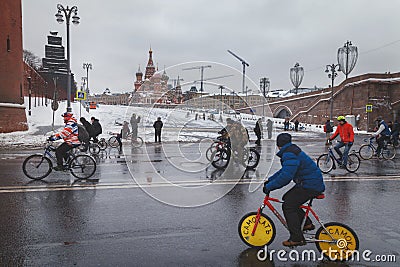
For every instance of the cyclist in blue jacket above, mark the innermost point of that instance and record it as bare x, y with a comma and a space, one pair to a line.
298, 167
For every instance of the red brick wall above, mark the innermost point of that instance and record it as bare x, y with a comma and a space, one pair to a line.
11, 67
349, 99
10, 119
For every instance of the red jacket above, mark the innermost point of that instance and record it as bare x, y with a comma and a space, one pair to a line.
345, 131
69, 133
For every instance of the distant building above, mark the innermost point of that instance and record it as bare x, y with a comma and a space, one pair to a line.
54, 69
153, 88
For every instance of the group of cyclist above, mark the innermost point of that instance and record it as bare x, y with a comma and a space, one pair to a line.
70, 135
383, 132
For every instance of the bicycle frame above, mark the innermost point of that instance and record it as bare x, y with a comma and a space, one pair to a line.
49, 148
308, 209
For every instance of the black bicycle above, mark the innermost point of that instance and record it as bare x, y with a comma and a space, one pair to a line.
39, 166
249, 158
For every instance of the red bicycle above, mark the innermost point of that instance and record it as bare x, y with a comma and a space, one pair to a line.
336, 241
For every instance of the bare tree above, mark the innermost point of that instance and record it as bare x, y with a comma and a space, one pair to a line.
32, 60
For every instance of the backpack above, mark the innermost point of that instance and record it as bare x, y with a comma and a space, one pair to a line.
83, 135
328, 128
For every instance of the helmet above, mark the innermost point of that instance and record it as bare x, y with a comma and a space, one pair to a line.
378, 118
341, 118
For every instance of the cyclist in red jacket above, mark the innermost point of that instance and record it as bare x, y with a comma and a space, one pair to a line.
346, 132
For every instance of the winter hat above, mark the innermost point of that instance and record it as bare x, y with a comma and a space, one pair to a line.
283, 139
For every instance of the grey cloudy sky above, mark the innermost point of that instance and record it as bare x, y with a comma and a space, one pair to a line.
271, 35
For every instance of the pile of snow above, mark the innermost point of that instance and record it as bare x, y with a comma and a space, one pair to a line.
179, 124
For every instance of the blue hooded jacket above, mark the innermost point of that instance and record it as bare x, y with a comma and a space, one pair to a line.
296, 166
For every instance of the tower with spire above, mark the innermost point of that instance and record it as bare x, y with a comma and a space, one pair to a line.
150, 69
139, 79
153, 86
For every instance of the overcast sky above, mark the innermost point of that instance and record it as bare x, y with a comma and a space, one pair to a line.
271, 35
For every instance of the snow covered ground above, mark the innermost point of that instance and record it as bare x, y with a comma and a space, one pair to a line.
179, 124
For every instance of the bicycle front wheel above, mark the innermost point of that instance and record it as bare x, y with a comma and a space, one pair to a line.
336, 241
113, 142
325, 163
82, 166
137, 143
211, 150
37, 167
253, 159
353, 163
389, 152
366, 151
220, 158
264, 234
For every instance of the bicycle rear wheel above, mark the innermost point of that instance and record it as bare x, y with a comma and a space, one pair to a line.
113, 142
353, 163
389, 152
325, 163
37, 167
82, 166
366, 151
338, 242
137, 143
220, 158
102, 144
264, 234
253, 159
94, 149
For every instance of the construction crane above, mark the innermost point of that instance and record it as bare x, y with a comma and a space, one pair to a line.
201, 68
214, 78
244, 63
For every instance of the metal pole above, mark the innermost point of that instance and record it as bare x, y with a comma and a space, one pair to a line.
332, 96
244, 75
30, 95
263, 97
69, 109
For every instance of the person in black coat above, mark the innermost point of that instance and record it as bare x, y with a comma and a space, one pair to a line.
158, 124
89, 127
258, 131
97, 130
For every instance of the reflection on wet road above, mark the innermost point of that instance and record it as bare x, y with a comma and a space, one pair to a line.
111, 220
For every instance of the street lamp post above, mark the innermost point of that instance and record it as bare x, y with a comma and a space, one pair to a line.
347, 57
332, 75
87, 66
296, 76
30, 96
264, 87
75, 20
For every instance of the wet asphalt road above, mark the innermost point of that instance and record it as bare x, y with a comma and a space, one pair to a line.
120, 217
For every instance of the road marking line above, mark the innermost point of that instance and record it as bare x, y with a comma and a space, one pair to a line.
24, 189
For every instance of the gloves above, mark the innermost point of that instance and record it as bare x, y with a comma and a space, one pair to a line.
51, 138
265, 190
350, 143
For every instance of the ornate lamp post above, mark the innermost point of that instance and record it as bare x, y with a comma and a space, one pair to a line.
264, 87
332, 75
347, 57
75, 20
296, 76
87, 66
